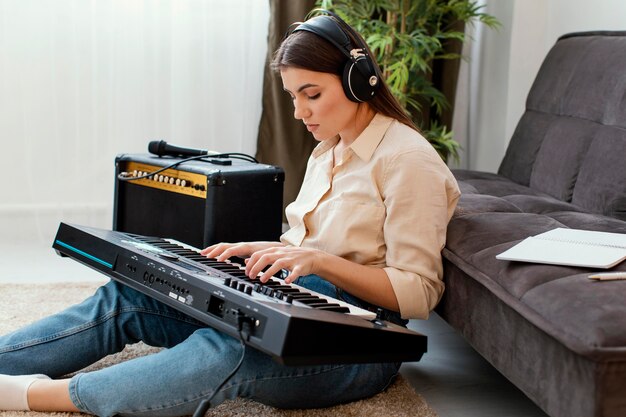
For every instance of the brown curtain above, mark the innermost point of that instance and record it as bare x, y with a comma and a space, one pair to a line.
283, 140
445, 75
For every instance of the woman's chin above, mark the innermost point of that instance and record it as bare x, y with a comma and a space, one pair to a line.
320, 137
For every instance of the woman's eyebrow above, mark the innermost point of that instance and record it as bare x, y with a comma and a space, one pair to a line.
305, 86
302, 87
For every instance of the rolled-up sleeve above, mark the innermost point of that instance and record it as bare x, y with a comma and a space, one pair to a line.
420, 195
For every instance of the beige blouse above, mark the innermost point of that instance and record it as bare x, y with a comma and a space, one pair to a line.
387, 204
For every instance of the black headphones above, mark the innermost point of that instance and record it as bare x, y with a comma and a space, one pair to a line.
360, 79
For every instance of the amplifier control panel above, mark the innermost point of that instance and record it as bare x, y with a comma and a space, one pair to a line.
172, 180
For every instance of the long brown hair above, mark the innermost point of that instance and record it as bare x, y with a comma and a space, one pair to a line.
306, 50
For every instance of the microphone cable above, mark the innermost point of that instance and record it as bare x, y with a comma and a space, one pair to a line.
215, 159
244, 325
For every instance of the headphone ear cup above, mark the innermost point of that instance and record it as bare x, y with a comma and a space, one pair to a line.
357, 86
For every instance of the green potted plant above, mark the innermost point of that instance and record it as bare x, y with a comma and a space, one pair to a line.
408, 37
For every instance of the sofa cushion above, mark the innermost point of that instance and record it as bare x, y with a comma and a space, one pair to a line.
571, 139
539, 204
601, 185
560, 156
589, 315
481, 203
519, 158
583, 77
491, 184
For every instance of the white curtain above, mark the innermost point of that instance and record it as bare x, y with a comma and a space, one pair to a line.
476, 86
82, 81
465, 103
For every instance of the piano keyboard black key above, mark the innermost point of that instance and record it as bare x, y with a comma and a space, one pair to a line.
165, 245
286, 289
184, 252
301, 294
338, 309
199, 258
314, 304
237, 260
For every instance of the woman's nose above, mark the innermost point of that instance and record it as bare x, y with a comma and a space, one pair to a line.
300, 110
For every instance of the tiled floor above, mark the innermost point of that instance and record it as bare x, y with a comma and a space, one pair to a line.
452, 377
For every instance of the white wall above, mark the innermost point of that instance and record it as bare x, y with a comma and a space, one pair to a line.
508, 61
81, 81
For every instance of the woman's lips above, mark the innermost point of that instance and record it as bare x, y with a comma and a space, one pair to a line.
312, 128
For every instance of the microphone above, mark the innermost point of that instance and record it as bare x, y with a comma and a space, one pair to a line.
162, 148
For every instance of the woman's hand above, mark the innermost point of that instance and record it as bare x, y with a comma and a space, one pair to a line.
369, 283
297, 260
223, 251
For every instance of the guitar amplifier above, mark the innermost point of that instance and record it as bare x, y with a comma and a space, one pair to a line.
198, 202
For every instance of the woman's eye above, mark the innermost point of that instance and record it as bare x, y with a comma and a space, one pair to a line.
314, 97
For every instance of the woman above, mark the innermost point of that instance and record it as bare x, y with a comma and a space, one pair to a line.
370, 219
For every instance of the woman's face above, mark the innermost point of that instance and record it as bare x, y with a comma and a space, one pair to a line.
319, 101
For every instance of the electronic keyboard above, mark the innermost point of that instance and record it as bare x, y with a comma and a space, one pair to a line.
293, 324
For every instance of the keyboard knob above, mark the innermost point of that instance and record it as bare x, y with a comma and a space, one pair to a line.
288, 298
248, 290
227, 281
241, 287
233, 285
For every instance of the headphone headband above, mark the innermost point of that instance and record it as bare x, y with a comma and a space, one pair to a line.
324, 26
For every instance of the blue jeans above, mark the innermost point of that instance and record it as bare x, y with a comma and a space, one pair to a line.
175, 380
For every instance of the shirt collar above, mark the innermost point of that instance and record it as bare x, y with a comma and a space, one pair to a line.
367, 142
324, 146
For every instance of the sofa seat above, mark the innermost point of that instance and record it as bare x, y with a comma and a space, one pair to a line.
584, 315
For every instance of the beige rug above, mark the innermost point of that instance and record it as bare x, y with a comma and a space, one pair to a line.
22, 304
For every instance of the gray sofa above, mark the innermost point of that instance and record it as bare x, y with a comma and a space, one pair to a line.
557, 335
